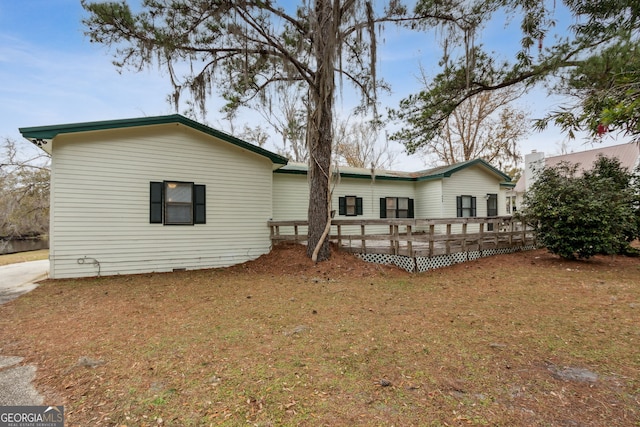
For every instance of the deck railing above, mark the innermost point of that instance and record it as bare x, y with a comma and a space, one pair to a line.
414, 237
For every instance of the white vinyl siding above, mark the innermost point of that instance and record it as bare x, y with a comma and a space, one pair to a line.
291, 197
371, 193
474, 181
101, 209
428, 200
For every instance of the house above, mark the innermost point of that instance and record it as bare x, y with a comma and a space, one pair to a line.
467, 189
627, 154
153, 194
167, 193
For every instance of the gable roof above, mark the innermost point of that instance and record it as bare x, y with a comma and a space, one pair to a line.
42, 135
385, 175
627, 154
447, 171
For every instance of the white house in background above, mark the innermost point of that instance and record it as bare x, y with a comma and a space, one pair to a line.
167, 193
627, 154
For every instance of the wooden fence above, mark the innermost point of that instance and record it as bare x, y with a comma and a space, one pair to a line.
414, 237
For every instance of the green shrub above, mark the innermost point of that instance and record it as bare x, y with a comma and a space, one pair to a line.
578, 216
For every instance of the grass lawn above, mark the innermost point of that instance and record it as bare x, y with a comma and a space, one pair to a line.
525, 339
24, 256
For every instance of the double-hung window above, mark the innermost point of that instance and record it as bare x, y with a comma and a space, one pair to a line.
350, 206
511, 204
177, 203
396, 207
466, 206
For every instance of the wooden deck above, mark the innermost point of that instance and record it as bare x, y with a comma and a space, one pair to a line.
414, 237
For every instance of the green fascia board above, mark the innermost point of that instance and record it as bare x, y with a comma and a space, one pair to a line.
348, 175
508, 184
50, 132
426, 175
377, 177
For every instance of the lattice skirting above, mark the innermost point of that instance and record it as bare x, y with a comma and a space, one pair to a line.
420, 264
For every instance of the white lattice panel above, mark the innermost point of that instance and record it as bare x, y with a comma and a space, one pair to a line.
422, 264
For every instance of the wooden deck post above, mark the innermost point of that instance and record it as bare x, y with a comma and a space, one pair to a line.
396, 239
432, 231
391, 244
464, 237
511, 232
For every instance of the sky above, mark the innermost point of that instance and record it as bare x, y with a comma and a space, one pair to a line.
51, 74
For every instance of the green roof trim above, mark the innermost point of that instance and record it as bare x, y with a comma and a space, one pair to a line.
347, 175
40, 133
447, 171
425, 175
378, 177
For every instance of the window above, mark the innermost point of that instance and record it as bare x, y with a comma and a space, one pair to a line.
511, 204
466, 206
396, 207
177, 203
492, 205
350, 206
492, 208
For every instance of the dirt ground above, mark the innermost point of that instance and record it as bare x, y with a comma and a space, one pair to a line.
523, 339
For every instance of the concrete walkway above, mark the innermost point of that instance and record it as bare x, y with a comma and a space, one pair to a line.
20, 278
15, 379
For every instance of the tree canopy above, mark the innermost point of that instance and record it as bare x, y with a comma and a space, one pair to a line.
24, 192
484, 126
592, 58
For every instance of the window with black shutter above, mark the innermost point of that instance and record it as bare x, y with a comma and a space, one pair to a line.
177, 203
465, 206
350, 206
396, 207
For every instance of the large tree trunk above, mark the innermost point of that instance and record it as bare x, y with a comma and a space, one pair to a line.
320, 126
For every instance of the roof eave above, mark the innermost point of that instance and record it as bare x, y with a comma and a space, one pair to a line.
41, 135
350, 175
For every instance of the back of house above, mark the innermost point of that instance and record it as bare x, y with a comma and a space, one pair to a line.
153, 194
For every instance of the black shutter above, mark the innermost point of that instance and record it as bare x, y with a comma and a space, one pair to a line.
342, 206
473, 206
199, 204
383, 207
410, 214
459, 206
155, 202
358, 205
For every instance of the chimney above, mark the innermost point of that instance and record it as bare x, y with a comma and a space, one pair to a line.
533, 165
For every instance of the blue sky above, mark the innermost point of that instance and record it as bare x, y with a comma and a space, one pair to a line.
51, 74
